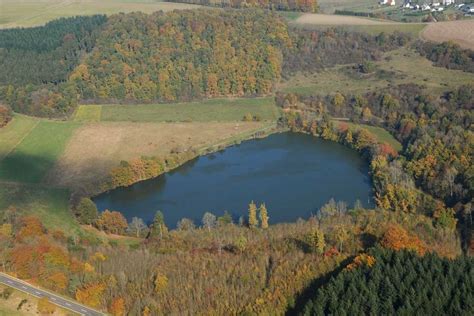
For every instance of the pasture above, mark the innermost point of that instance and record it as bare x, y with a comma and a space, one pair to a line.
14, 13
396, 67
213, 110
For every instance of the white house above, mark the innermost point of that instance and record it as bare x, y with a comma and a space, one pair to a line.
448, 2
387, 2
435, 4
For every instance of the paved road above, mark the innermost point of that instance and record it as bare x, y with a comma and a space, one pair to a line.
53, 298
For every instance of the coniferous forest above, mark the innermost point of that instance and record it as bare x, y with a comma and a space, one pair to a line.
386, 282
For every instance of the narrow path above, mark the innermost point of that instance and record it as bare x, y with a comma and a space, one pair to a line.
53, 298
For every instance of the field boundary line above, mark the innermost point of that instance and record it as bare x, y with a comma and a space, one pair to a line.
19, 142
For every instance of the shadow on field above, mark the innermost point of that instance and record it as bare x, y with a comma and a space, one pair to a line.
309, 292
20, 167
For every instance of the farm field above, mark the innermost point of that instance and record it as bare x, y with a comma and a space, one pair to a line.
460, 32
396, 67
14, 13
214, 110
327, 19
353, 23
329, 6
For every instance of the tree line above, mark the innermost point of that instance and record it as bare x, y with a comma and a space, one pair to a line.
282, 5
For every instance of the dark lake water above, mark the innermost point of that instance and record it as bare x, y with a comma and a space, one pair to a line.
294, 174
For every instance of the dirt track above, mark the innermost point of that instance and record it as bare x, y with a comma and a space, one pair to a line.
461, 32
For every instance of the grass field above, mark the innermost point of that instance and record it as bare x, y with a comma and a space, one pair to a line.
36, 152
214, 110
382, 135
12, 134
14, 13
88, 113
396, 67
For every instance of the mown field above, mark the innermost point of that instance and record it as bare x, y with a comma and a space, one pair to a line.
14, 13
214, 110
396, 67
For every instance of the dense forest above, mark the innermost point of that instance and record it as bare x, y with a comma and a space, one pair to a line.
184, 55
283, 5
385, 282
143, 58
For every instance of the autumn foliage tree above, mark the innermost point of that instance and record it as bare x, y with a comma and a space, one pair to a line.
117, 307
397, 238
91, 294
112, 222
253, 221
